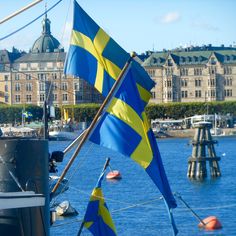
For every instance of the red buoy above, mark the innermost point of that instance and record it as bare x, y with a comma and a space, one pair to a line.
115, 174
211, 223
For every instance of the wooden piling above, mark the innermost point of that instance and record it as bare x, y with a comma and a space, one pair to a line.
203, 151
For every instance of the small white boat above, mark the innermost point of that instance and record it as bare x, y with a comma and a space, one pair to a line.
65, 209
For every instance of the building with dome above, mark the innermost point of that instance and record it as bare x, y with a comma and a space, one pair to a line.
34, 77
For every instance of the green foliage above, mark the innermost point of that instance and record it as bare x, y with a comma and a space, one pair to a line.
86, 112
181, 110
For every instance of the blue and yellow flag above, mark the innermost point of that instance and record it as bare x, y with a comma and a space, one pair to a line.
96, 57
97, 217
123, 127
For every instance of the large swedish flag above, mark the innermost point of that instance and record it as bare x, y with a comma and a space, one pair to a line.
96, 57
123, 127
97, 217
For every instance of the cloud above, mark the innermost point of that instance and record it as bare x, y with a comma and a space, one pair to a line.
204, 26
170, 17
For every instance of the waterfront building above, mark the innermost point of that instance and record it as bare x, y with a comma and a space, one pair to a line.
194, 74
30, 78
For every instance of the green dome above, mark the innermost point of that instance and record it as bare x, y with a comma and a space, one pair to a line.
46, 42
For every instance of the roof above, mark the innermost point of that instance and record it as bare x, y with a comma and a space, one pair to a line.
192, 56
46, 42
42, 57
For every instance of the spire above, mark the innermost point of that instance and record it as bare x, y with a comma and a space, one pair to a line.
46, 23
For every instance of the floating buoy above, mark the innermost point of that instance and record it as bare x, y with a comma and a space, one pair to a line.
211, 223
115, 174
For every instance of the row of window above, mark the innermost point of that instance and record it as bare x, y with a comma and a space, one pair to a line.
28, 97
198, 82
40, 76
197, 71
198, 93
42, 86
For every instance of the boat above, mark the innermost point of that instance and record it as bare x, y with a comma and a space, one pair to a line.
65, 209
217, 132
114, 174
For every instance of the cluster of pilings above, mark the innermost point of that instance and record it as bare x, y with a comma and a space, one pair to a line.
203, 144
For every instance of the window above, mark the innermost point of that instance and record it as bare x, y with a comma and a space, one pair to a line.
41, 86
54, 86
151, 72
228, 93
54, 97
169, 83
6, 88
28, 97
198, 93
184, 83
41, 97
153, 95
28, 87
6, 77
212, 93
42, 77
197, 71
227, 70
54, 76
17, 77
211, 82
212, 70
76, 86
28, 76
17, 98
64, 97
17, 87
183, 71
169, 71
184, 94
64, 86
198, 83
169, 94
6, 99
228, 81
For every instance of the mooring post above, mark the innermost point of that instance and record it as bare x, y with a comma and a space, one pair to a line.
201, 142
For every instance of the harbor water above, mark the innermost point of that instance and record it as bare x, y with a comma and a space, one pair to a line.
134, 201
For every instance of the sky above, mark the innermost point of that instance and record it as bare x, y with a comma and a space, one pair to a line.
137, 25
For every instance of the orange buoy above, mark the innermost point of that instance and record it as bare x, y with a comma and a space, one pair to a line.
211, 223
115, 174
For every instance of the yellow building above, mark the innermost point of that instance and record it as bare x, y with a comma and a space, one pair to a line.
193, 74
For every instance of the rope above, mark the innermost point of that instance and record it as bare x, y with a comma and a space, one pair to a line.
82, 160
21, 28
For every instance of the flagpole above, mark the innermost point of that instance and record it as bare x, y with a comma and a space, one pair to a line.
104, 168
92, 125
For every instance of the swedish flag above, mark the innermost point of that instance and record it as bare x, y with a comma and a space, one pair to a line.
124, 128
97, 217
96, 57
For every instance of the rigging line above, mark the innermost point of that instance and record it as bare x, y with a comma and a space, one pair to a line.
82, 160
209, 208
21, 28
57, 59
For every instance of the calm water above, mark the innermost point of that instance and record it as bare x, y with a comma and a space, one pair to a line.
211, 197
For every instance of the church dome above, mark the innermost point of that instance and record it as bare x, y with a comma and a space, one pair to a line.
46, 42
